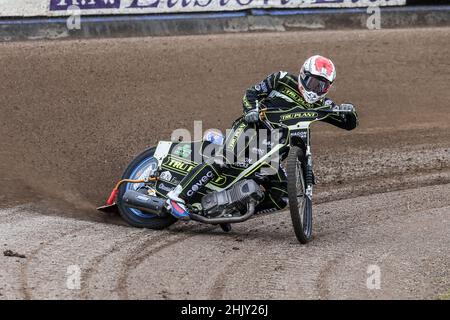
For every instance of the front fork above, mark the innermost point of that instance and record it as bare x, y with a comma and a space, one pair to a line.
309, 175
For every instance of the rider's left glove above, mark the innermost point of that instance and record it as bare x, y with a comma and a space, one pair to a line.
252, 116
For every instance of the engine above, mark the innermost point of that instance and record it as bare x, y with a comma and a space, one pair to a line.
216, 204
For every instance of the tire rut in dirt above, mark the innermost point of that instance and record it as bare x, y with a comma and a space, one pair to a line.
145, 251
117, 246
26, 289
236, 260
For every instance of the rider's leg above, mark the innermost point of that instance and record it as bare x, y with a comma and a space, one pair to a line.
193, 182
275, 195
198, 178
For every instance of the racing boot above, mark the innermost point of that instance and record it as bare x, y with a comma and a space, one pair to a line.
177, 206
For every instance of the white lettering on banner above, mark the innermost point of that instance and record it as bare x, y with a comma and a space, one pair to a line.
29, 8
74, 20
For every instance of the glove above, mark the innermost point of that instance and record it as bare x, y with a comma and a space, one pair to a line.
328, 103
346, 107
251, 116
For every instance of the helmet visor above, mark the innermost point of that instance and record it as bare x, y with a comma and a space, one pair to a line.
316, 84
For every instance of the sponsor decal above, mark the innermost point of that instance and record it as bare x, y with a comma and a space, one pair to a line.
84, 4
142, 197
165, 175
182, 150
243, 164
207, 5
179, 166
291, 94
200, 183
301, 134
236, 135
219, 181
298, 115
163, 187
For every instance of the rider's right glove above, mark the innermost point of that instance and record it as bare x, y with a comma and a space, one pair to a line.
252, 116
346, 107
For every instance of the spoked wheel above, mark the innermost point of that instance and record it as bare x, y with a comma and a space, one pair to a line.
300, 205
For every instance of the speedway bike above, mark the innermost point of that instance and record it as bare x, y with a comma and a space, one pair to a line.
141, 194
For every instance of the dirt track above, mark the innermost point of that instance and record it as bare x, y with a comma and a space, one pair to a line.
73, 113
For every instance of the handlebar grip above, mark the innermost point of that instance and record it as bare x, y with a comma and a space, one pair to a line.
336, 109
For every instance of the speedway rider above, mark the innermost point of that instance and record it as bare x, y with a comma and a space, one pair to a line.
280, 90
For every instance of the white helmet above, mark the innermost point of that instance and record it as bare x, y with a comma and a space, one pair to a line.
316, 77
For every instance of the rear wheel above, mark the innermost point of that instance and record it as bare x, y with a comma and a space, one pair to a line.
300, 205
140, 168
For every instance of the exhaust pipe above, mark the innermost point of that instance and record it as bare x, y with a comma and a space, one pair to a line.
143, 202
155, 205
245, 217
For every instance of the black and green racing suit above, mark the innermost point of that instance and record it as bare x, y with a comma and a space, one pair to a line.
278, 91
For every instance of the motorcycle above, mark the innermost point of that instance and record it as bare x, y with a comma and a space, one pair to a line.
140, 195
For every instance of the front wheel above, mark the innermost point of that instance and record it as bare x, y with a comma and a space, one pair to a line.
300, 205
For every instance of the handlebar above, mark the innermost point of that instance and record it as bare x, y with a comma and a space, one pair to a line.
332, 110
335, 109
296, 114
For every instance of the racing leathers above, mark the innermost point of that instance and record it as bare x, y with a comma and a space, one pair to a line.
278, 91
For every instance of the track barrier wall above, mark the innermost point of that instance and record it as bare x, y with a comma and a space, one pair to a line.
61, 19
